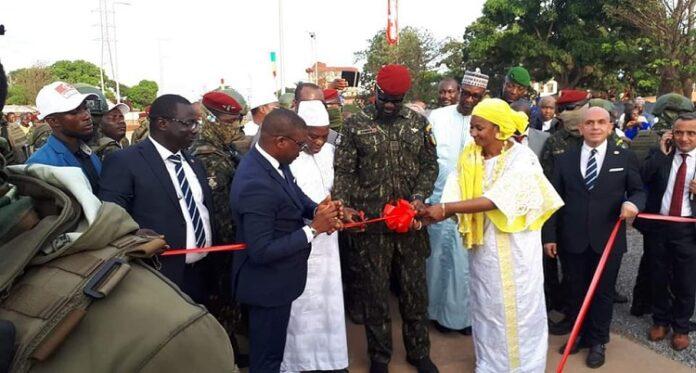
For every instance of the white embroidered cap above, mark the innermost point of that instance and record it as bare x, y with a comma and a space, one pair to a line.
475, 79
314, 113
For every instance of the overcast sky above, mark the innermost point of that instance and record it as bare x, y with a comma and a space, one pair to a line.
188, 46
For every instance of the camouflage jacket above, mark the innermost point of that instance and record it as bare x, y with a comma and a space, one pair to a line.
220, 163
38, 135
376, 163
141, 132
17, 146
106, 145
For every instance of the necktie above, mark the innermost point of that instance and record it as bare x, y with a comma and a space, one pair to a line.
190, 203
591, 170
675, 206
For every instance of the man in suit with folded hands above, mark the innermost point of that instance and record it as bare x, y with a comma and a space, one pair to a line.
668, 173
272, 214
599, 183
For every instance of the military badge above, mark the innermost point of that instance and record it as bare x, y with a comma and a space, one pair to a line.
429, 133
367, 131
212, 182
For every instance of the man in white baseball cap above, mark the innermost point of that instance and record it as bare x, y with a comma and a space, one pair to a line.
65, 110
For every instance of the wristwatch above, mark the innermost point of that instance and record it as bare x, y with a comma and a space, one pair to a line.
314, 231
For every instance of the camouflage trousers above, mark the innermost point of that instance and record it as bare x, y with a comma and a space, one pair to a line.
374, 257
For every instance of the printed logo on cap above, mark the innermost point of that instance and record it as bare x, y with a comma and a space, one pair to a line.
66, 90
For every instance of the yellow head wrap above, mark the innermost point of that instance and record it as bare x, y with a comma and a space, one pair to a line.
470, 167
499, 113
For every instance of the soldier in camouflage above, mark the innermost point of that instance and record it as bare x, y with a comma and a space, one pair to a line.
214, 147
143, 130
113, 132
388, 154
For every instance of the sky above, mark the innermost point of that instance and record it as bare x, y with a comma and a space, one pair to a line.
187, 47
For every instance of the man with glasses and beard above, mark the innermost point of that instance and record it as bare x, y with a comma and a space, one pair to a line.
166, 190
65, 110
448, 265
388, 153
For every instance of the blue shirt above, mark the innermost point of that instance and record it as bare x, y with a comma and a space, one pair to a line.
56, 153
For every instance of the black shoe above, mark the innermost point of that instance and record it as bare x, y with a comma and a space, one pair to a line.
577, 346
466, 331
442, 329
619, 298
692, 326
595, 358
562, 327
376, 367
424, 365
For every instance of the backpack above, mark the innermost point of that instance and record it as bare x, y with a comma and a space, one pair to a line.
76, 289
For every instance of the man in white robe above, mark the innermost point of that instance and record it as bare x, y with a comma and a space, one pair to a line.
316, 339
448, 267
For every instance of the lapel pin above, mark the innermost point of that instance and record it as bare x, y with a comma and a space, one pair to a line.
616, 152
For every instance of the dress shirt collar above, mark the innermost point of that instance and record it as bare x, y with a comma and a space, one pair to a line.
691, 154
601, 149
268, 157
163, 152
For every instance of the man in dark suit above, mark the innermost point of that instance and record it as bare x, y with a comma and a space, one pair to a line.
668, 174
599, 183
165, 189
270, 211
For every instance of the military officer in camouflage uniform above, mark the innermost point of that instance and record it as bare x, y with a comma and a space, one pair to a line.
143, 130
387, 154
214, 147
113, 131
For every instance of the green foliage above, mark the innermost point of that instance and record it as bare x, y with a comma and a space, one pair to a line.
416, 49
142, 94
79, 71
25, 84
573, 41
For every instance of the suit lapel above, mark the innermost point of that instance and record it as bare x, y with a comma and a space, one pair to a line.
575, 162
611, 160
275, 175
154, 160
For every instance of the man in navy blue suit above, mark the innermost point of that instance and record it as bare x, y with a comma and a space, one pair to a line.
166, 190
271, 213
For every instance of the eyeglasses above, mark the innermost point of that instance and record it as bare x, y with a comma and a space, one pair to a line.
390, 99
190, 124
302, 145
466, 94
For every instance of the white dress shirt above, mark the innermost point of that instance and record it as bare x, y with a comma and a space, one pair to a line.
546, 126
599, 157
196, 191
667, 197
307, 230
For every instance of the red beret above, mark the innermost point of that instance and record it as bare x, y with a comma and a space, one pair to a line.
220, 101
566, 96
330, 94
394, 80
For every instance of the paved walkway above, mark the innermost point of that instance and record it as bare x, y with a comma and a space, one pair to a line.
453, 353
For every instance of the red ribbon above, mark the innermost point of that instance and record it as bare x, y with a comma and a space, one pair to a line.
209, 249
398, 217
676, 219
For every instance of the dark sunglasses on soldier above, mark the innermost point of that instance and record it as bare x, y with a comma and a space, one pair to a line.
386, 98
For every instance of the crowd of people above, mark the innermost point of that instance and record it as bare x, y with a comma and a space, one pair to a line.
514, 196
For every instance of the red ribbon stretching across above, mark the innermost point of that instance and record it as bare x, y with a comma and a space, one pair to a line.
598, 275
209, 249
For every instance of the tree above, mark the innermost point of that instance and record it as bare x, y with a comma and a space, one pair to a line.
450, 55
573, 41
25, 84
670, 25
79, 71
416, 50
142, 94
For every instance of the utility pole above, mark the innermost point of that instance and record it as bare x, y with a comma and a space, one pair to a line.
281, 50
101, 39
115, 70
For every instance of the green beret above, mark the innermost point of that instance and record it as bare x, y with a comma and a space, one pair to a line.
286, 100
520, 75
604, 104
237, 97
672, 101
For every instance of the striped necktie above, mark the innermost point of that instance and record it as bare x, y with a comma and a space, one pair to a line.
591, 170
190, 203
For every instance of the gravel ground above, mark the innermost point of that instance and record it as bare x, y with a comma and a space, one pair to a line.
634, 327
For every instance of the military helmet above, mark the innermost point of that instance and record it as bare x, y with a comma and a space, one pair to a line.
286, 100
237, 97
97, 106
673, 101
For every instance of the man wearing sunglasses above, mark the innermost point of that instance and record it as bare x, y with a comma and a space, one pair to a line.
66, 112
166, 190
388, 153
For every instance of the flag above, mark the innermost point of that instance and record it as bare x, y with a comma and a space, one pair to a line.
392, 21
